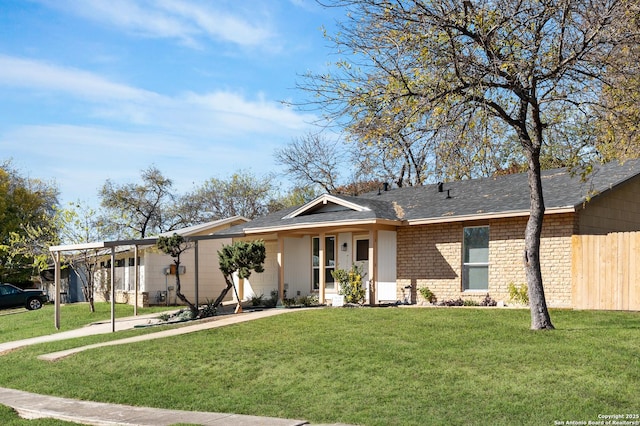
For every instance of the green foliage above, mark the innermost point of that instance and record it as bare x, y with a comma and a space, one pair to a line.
428, 295
519, 294
174, 245
470, 302
28, 224
350, 284
242, 257
208, 309
241, 194
306, 301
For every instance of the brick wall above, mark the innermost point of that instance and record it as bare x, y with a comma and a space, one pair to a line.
431, 256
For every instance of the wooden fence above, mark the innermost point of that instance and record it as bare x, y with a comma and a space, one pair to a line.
606, 271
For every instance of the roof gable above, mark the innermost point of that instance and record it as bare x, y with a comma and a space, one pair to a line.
326, 203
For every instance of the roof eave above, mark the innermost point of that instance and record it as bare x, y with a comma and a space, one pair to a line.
330, 224
486, 216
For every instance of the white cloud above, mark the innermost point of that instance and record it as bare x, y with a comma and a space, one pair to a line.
38, 75
191, 136
218, 24
187, 21
222, 112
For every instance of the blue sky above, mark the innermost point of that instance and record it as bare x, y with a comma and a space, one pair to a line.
98, 89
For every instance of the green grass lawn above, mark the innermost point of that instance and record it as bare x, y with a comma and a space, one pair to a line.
18, 324
386, 366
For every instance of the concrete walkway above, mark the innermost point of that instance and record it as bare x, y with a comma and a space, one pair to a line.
33, 406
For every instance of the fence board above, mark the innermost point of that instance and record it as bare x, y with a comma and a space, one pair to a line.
605, 271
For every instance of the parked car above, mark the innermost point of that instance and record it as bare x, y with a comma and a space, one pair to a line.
12, 296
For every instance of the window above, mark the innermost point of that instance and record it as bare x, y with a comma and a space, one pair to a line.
362, 250
475, 266
329, 262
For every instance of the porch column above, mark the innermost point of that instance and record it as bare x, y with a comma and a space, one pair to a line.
113, 289
57, 275
280, 259
372, 273
321, 268
136, 280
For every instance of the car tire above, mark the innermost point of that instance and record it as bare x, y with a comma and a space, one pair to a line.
33, 304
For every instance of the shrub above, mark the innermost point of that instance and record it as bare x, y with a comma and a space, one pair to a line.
469, 302
208, 309
311, 300
519, 294
452, 302
488, 301
350, 284
257, 300
273, 300
428, 295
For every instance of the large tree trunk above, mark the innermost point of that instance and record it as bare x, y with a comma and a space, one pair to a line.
540, 319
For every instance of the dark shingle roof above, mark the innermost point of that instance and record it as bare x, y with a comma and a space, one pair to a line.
486, 196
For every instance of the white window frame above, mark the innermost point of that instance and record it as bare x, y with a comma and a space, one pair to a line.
468, 265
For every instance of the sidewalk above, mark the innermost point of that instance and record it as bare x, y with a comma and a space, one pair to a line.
33, 406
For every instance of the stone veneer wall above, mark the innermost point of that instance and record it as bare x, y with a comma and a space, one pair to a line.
431, 256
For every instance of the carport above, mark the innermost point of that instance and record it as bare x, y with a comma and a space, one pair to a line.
111, 246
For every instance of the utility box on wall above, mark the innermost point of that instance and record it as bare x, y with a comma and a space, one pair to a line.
171, 270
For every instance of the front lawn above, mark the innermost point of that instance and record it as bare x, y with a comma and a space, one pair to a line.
18, 324
386, 366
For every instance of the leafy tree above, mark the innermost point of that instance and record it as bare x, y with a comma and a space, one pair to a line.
242, 194
27, 225
473, 75
294, 197
174, 246
241, 258
138, 210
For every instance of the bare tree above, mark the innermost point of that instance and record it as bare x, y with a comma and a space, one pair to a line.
313, 160
524, 70
79, 224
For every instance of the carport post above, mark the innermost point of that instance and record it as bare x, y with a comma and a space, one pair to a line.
113, 289
56, 261
136, 280
196, 271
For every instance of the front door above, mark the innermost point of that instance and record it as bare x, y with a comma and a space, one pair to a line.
329, 263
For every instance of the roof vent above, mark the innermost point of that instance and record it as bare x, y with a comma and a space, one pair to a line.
440, 189
448, 195
385, 186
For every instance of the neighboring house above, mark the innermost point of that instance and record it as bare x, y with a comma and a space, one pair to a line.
461, 239
157, 271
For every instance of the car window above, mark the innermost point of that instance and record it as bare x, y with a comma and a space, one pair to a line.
6, 290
